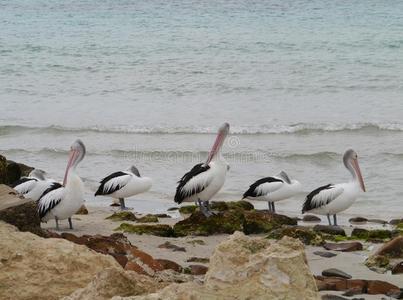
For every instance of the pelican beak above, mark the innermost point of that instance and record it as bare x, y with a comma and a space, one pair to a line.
356, 167
222, 134
73, 156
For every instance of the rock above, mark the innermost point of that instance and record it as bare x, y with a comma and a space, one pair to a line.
32, 267
199, 260
344, 247
333, 297
398, 268
371, 235
148, 219
169, 245
196, 242
275, 270
393, 248
122, 216
332, 272
82, 211
188, 209
198, 224
311, 218
304, 234
13, 172
19, 212
360, 233
3, 170
358, 220
168, 264
114, 282
325, 254
222, 206
333, 230
395, 221
196, 270
158, 230
173, 208
376, 287
377, 221
162, 216
378, 263
263, 222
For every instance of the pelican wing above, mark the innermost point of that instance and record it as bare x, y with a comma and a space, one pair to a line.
50, 198
25, 185
321, 197
263, 187
193, 182
113, 183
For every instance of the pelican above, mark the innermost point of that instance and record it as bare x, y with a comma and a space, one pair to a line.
34, 185
60, 202
204, 180
331, 199
124, 184
273, 189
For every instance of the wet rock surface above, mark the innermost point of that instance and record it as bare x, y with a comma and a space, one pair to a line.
393, 248
325, 254
311, 218
344, 247
306, 235
328, 229
158, 230
123, 216
173, 247
332, 272
358, 220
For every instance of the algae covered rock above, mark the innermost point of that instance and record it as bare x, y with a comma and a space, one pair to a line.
222, 206
304, 234
188, 209
3, 170
377, 261
122, 216
159, 229
377, 234
148, 219
198, 224
331, 230
264, 222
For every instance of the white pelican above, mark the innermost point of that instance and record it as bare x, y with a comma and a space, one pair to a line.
62, 201
331, 199
34, 185
273, 189
124, 184
204, 180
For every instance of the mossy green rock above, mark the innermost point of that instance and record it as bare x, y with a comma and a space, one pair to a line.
264, 222
399, 226
222, 206
122, 216
377, 261
3, 170
148, 219
304, 234
377, 234
189, 209
198, 224
158, 230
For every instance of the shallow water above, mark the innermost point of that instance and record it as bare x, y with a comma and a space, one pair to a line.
149, 82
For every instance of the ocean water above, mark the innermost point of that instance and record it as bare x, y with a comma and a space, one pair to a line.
149, 82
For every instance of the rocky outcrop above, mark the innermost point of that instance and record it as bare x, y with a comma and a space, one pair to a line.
32, 267
11, 171
116, 282
392, 249
242, 266
306, 235
158, 230
19, 211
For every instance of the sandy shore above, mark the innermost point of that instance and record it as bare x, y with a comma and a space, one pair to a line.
200, 246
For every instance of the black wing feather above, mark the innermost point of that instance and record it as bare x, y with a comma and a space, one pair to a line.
182, 194
308, 205
252, 191
44, 209
22, 180
53, 186
101, 191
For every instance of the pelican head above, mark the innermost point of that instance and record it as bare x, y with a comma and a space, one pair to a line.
222, 134
134, 170
350, 160
77, 153
38, 174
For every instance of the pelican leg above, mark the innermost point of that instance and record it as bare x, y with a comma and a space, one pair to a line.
274, 208
122, 204
334, 220
70, 223
328, 218
57, 223
205, 208
269, 204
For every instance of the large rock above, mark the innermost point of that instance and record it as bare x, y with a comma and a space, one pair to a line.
114, 282
305, 234
249, 268
32, 267
344, 247
11, 171
3, 170
392, 249
19, 211
263, 222
332, 230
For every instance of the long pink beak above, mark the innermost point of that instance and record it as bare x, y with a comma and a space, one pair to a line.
72, 157
357, 169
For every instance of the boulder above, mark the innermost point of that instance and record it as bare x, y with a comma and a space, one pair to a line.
343, 247
304, 234
170, 265
19, 211
398, 268
358, 220
114, 282
3, 170
332, 230
158, 230
122, 216
311, 218
32, 267
392, 249
196, 270
332, 272
264, 222
242, 266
